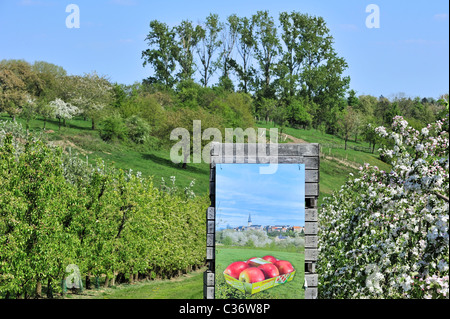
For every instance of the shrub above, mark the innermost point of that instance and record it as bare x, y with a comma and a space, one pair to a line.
138, 129
113, 128
385, 234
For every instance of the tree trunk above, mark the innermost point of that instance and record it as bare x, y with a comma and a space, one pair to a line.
38, 289
131, 278
88, 282
106, 282
93, 124
49, 289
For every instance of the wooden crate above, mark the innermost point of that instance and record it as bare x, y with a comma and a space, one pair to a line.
307, 154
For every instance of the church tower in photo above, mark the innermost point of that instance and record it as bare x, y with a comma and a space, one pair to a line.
249, 220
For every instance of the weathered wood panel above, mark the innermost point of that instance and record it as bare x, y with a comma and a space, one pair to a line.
259, 149
310, 215
208, 292
210, 213
311, 254
311, 228
311, 189
210, 252
310, 162
210, 240
311, 293
311, 241
307, 154
208, 278
211, 227
311, 280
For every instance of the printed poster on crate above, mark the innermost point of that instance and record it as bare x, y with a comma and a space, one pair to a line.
260, 222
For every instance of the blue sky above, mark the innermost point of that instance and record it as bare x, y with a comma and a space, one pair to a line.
271, 199
409, 53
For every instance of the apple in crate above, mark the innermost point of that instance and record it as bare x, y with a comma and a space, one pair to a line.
269, 270
284, 267
234, 269
251, 275
270, 258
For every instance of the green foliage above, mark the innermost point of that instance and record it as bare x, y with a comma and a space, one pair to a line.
138, 129
113, 128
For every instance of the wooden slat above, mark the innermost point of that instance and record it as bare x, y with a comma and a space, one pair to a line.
311, 241
211, 227
311, 189
311, 176
310, 214
311, 293
210, 240
209, 253
311, 280
208, 278
311, 254
210, 214
310, 162
208, 292
311, 228
241, 150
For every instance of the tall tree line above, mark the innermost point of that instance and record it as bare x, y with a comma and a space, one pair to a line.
289, 65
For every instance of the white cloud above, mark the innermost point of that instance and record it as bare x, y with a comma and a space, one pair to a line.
441, 16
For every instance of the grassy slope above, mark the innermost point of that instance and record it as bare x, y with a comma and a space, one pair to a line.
88, 144
333, 173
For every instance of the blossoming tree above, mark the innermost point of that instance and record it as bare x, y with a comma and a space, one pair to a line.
63, 110
385, 234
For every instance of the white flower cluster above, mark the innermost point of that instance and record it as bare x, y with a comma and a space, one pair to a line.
397, 221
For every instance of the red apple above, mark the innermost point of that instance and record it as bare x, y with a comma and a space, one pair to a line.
234, 269
270, 258
284, 266
251, 275
269, 270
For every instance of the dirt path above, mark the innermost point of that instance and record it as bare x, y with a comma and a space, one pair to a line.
293, 139
347, 163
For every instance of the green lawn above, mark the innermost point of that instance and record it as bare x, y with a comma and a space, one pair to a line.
187, 286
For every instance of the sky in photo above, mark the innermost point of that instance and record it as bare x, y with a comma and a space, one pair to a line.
407, 54
271, 199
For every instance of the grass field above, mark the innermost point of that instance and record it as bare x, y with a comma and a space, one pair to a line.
187, 286
290, 290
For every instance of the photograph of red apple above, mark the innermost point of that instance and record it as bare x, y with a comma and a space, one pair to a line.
251, 275
235, 269
284, 267
269, 270
251, 271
